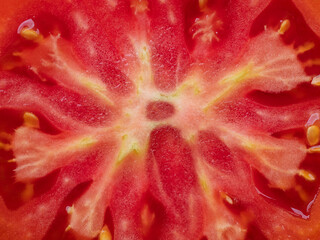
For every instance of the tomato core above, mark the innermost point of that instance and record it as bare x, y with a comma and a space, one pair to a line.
159, 110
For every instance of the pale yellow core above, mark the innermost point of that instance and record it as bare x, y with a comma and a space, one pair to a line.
204, 184
85, 142
144, 55
306, 175
232, 81
128, 145
29, 34
191, 83
28, 192
285, 25
96, 88
105, 234
30, 120
313, 133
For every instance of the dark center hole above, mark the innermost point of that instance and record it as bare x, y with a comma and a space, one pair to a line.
159, 110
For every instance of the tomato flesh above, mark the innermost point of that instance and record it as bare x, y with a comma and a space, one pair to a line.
159, 119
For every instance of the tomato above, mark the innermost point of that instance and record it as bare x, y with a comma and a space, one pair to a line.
159, 119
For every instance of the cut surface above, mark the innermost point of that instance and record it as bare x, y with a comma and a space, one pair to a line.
159, 119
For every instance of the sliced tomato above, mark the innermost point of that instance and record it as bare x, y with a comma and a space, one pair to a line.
159, 119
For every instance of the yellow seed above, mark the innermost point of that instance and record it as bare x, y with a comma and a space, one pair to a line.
302, 193
5, 146
12, 160
312, 62
105, 233
203, 4
316, 81
67, 228
227, 198
9, 65
306, 175
285, 25
70, 209
5, 136
30, 120
28, 192
315, 149
313, 134
305, 47
29, 34
16, 54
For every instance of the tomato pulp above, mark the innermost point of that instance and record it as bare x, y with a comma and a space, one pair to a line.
159, 119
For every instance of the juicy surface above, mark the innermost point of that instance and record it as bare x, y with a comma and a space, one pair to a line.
159, 119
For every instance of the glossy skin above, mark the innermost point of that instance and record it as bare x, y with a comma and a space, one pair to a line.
150, 119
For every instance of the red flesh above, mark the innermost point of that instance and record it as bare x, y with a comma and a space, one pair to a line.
159, 119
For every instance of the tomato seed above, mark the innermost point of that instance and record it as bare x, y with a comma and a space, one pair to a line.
105, 234
285, 25
30, 120
313, 134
